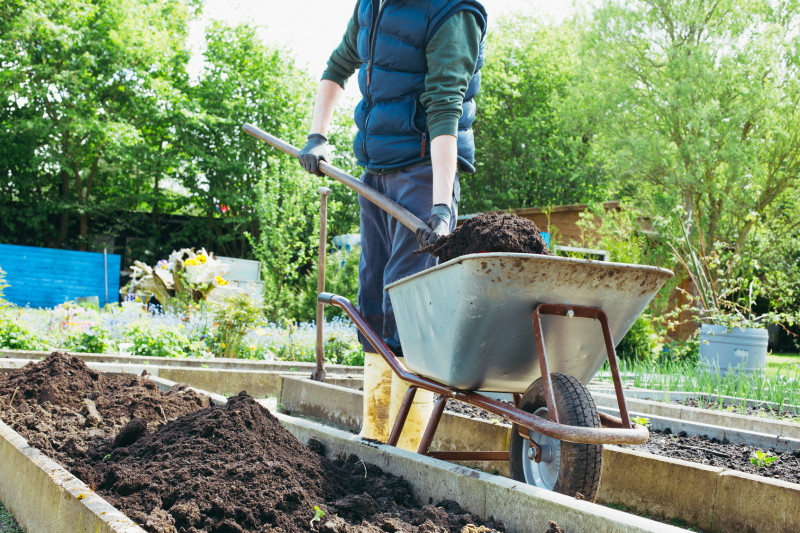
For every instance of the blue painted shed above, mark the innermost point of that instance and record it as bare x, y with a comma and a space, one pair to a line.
46, 277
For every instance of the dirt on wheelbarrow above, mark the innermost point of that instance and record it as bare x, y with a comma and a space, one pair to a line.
490, 232
172, 463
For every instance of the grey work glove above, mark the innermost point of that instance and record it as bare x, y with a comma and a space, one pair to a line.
438, 225
315, 149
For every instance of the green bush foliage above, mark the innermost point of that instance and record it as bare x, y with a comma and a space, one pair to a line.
158, 342
233, 319
15, 336
641, 341
91, 340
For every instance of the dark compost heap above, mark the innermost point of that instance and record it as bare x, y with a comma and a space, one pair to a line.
490, 232
173, 463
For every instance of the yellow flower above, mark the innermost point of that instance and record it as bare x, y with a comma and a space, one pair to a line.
192, 262
201, 259
260, 332
221, 281
222, 344
252, 347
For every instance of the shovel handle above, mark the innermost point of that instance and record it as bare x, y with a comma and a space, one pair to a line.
400, 213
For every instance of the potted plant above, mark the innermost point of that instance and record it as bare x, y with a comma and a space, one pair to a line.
725, 288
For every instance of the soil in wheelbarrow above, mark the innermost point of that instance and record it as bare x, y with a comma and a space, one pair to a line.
173, 463
490, 232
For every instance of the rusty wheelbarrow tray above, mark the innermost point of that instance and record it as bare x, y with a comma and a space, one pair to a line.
518, 323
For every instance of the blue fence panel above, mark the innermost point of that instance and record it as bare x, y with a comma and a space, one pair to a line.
46, 277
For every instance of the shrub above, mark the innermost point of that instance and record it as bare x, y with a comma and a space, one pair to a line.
90, 340
341, 277
641, 342
15, 336
233, 318
158, 342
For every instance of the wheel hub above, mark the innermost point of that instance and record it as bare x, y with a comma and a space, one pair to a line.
541, 471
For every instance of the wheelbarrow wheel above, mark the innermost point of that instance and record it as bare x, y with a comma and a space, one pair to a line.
565, 467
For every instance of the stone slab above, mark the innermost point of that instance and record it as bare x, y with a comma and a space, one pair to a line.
751, 504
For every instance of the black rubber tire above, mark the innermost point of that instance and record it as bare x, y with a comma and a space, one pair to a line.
581, 464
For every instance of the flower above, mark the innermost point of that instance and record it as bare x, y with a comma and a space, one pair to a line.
221, 281
201, 259
260, 332
191, 262
163, 264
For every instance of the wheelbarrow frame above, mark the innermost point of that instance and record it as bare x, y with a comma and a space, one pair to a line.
614, 431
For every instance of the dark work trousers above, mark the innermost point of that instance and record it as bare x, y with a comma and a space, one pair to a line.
387, 246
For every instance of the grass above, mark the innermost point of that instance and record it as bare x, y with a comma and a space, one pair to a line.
7, 522
783, 364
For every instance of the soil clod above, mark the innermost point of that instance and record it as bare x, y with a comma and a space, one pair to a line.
490, 232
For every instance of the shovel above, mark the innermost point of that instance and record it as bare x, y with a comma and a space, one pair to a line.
400, 213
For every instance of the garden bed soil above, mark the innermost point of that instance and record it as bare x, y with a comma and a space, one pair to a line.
173, 463
490, 232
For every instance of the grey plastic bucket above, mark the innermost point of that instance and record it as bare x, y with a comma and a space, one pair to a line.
733, 350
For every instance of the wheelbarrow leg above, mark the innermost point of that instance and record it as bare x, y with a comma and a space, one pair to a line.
402, 414
433, 423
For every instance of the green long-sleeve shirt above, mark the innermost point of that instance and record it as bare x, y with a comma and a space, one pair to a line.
452, 54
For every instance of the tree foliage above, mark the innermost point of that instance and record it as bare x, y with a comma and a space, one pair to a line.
696, 105
83, 85
527, 153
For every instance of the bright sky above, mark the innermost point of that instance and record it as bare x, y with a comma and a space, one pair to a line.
313, 28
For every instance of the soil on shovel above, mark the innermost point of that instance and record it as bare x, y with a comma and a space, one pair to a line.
220, 469
490, 232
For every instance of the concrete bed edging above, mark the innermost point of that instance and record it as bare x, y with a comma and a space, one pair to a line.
192, 362
31, 482
670, 396
755, 424
723, 434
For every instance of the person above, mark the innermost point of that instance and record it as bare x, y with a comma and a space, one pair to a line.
418, 64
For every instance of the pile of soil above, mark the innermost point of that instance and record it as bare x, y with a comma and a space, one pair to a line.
72, 413
220, 469
712, 452
490, 232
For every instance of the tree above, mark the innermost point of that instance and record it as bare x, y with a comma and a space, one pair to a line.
527, 153
696, 104
81, 81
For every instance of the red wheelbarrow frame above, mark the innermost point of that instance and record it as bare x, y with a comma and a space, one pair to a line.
614, 431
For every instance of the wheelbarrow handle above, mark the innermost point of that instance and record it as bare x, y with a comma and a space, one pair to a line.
400, 213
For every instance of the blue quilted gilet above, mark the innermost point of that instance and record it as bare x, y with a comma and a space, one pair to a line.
390, 118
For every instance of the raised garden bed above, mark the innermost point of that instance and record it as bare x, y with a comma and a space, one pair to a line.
771, 463
696, 449
172, 463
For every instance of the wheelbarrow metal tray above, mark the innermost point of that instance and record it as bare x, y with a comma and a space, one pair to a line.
467, 322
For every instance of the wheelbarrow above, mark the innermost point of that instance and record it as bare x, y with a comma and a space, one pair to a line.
538, 327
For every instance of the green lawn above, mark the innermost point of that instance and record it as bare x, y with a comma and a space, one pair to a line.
785, 364
7, 522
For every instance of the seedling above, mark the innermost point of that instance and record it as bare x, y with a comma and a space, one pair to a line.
107, 456
762, 458
640, 420
318, 514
